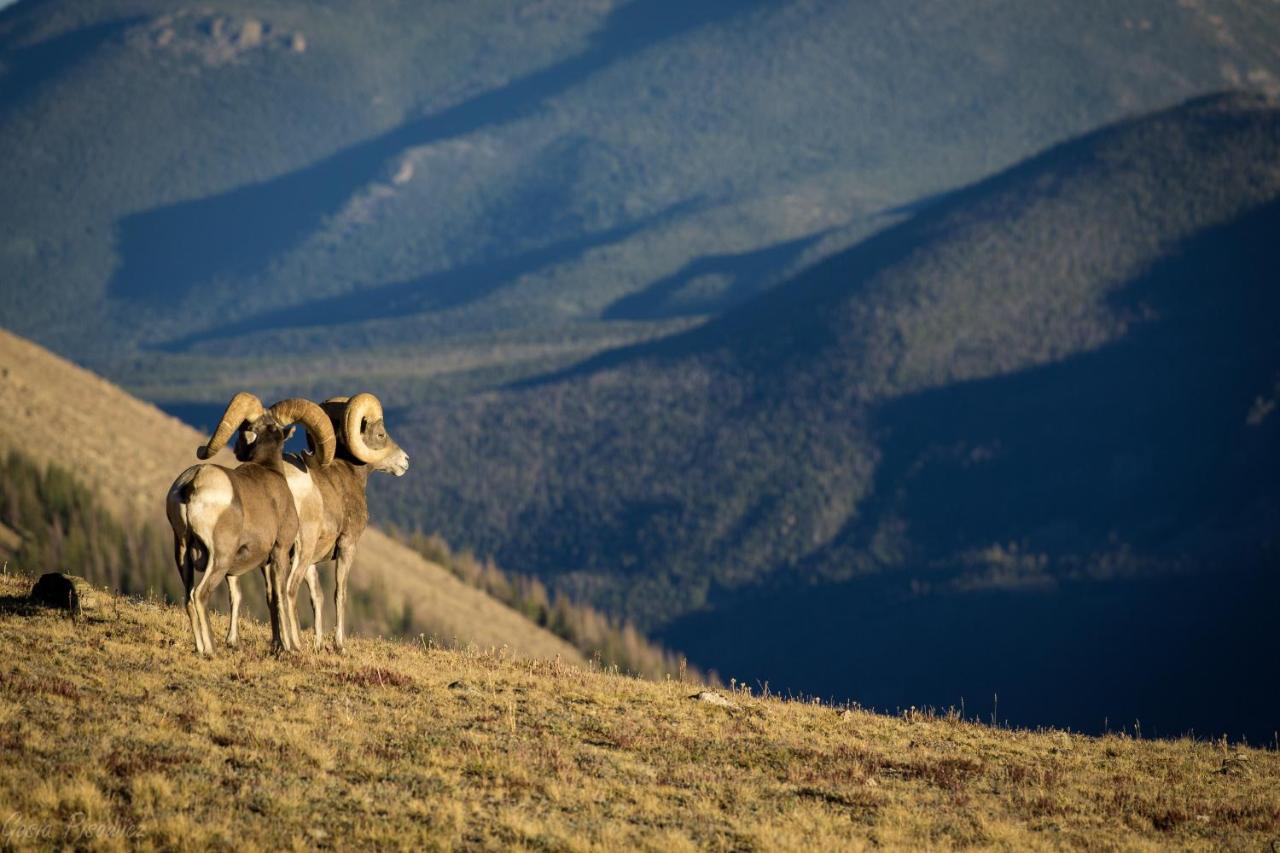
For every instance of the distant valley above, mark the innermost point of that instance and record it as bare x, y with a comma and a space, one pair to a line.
1054, 386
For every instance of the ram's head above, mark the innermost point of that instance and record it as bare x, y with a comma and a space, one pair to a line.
359, 423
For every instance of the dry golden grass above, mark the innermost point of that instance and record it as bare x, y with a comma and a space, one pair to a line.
128, 452
114, 735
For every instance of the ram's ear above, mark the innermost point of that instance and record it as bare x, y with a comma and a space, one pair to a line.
250, 436
288, 434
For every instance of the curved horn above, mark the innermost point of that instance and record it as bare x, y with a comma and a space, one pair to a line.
359, 408
243, 407
298, 410
336, 409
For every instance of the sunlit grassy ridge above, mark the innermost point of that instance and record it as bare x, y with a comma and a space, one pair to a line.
113, 723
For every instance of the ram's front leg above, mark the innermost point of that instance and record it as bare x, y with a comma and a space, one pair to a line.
289, 611
345, 554
233, 589
317, 603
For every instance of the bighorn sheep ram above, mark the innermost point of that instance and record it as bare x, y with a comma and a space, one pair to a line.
229, 521
332, 508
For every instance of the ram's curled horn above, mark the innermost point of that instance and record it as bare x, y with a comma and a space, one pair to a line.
243, 407
362, 408
299, 410
336, 409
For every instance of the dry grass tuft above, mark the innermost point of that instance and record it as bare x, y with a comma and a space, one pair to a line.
18, 683
375, 676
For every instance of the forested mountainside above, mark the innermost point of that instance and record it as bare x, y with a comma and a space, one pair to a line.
1053, 386
454, 195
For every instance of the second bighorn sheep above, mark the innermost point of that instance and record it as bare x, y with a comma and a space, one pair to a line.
229, 521
332, 508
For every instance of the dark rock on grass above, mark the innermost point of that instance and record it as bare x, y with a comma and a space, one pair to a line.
65, 592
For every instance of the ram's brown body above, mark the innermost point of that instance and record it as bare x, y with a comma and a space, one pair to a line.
329, 496
332, 505
229, 521
256, 513
332, 502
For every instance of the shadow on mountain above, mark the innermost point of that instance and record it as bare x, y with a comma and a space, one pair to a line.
25, 69
1139, 437
435, 292
793, 314
1082, 535
737, 277
168, 251
738, 329
919, 205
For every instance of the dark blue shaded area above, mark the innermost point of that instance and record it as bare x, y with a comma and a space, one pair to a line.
1178, 654
1142, 448
436, 292
27, 69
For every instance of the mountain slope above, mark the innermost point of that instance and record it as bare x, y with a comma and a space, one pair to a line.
128, 452
114, 732
1061, 373
194, 192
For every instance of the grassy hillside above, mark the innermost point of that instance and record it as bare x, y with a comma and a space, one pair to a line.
196, 192
126, 453
113, 731
1038, 384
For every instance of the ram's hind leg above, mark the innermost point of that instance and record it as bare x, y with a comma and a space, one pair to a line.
282, 557
185, 555
291, 584
213, 575
268, 584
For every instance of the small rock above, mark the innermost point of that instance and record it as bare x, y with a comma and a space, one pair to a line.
250, 34
404, 174
460, 685
1235, 765
713, 699
65, 592
847, 714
